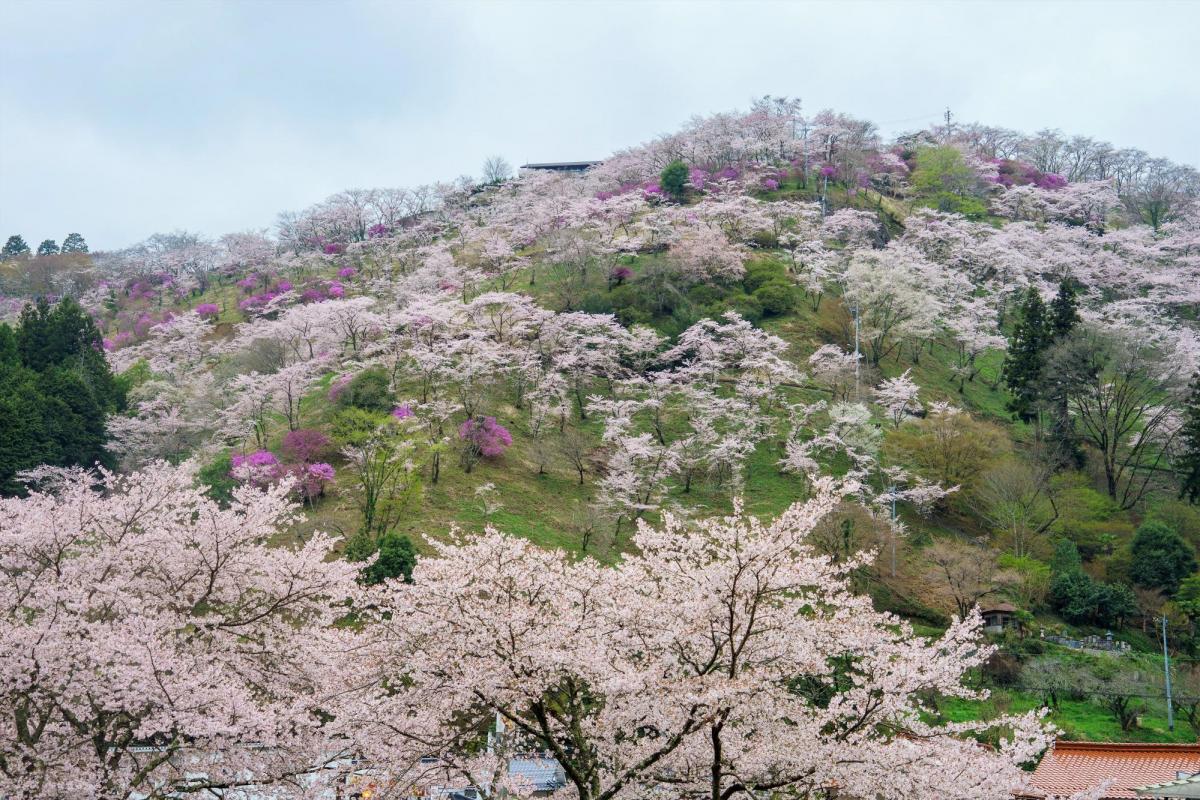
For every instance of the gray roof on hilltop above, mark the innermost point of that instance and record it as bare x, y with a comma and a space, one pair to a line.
563, 166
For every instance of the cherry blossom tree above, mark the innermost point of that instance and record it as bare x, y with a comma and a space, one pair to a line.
713, 623
704, 254
898, 396
897, 296
152, 643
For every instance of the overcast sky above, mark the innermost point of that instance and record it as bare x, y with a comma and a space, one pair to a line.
118, 120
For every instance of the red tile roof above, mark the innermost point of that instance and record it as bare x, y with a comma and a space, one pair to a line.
1071, 767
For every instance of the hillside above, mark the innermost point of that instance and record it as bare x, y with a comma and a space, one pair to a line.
567, 355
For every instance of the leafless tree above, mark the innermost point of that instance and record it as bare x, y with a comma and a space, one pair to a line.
496, 170
576, 447
967, 572
1018, 503
1121, 405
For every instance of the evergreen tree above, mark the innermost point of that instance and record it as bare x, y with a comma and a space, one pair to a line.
56, 390
396, 560
48, 247
1188, 461
14, 247
674, 180
1026, 355
74, 243
1160, 558
1064, 310
1065, 446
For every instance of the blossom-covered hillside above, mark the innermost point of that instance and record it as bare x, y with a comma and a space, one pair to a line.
973, 353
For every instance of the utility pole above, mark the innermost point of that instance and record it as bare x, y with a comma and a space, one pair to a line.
892, 492
857, 356
1167, 675
949, 116
804, 151
825, 184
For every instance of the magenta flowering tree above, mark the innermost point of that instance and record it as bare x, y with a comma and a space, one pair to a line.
336, 289
619, 275
345, 273
260, 468
311, 480
339, 386
482, 437
305, 445
403, 411
208, 310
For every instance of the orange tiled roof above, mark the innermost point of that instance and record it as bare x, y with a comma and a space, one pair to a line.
1071, 767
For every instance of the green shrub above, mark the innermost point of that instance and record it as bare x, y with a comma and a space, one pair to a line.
706, 294
777, 297
1081, 599
761, 272
749, 307
596, 303
369, 390
673, 180
215, 478
396, 560
355, 425
1159, 558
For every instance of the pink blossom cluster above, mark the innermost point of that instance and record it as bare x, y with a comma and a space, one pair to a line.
118, 341
257, 301
488, 437
338, 386
262, 467
208, 310
1011, 173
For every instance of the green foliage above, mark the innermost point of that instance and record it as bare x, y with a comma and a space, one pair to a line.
1187, 597
777, 297
369, 390
1187, 463
1064, 310
673, 180
943, 177
748, 306
1033, 578
1066, 558
48, 247
1080, 598
1160, 559
354, 426
1026, 356
56, 390
396, 560
216, 480
763, 271
14, 248
74, 243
